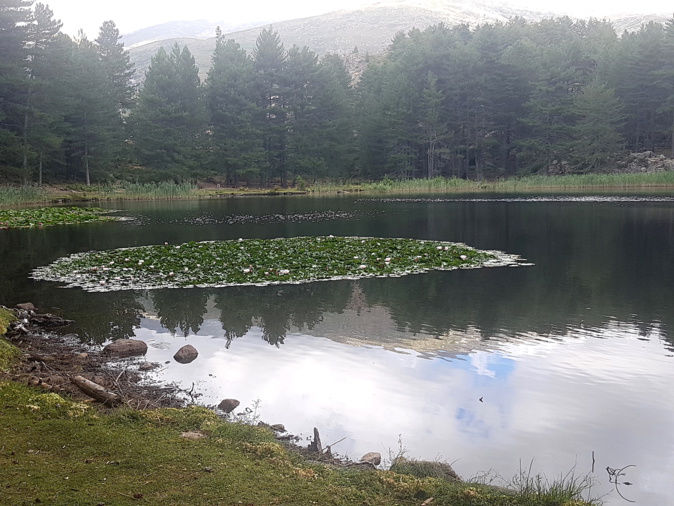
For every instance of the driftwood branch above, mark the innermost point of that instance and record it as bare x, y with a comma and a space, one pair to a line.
96, 391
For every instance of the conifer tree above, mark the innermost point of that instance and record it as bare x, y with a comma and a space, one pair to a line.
236, 138
168, 122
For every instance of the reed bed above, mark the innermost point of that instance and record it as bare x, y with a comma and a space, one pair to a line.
154, 191
526, 183
19, 195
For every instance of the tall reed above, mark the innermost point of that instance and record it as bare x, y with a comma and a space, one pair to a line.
156, 191
17, 195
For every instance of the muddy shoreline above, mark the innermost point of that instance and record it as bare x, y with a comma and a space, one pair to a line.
52, 356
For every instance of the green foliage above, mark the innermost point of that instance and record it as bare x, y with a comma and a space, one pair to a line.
6, 317
262, 262
47, 216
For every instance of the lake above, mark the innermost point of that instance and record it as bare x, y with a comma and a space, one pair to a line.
563, 366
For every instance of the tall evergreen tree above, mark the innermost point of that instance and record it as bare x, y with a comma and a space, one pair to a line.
237, 150
117, 64
14, 18
597, 131
168, 123
42, 31
95, 125
269, 56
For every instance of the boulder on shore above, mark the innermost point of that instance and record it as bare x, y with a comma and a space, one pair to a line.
228, 405
186, 354
126, 348
373, 458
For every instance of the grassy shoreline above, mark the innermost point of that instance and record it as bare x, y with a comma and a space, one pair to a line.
60, 450
21, 196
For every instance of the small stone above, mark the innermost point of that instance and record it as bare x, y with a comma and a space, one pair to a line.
228, 405
26, 306
186, 354
148, 366
126, 348
278, 427
373, 458
83, 356
193, 435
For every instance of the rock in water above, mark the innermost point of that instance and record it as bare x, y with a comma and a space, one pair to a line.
373, 458
228, 405
126, 348
186, 354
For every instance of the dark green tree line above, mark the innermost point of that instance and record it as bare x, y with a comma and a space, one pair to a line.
497, 100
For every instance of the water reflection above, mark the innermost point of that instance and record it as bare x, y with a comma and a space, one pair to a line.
550, 401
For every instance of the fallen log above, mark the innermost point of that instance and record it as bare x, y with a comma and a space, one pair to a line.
96, 391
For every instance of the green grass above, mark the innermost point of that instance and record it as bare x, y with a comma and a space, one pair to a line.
57, 451
151, 191
517, 184
261, 261
20, 195
48, 216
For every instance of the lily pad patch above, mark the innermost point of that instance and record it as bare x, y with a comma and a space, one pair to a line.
47, 216
262, 262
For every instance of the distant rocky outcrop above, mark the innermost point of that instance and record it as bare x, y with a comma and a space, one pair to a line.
646, 161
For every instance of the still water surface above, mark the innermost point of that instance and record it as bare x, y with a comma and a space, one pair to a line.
491, 369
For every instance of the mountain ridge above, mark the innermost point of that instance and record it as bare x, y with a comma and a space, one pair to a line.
370, 28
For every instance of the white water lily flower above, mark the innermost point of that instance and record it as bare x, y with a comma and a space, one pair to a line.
387, 259
362, 266
141, 262
463, 257
439, 247
331, 236
101, 282
112, 262
246, 271
187, 269
171, 273
240, 240
283, 272
177, 247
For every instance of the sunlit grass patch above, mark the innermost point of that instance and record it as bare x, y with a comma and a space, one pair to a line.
47, 216
262, 262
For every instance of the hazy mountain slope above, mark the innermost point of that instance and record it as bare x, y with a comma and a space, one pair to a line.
370, 29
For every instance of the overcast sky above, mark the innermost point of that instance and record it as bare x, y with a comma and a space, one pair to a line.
130, 15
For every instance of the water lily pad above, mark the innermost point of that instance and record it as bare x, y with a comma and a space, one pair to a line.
262, 262
47, 216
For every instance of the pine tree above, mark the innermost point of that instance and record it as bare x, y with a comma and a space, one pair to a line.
14, 17
117, 64
42, 31
168, 122
597, 138
236, 137
270, 59
95, 135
